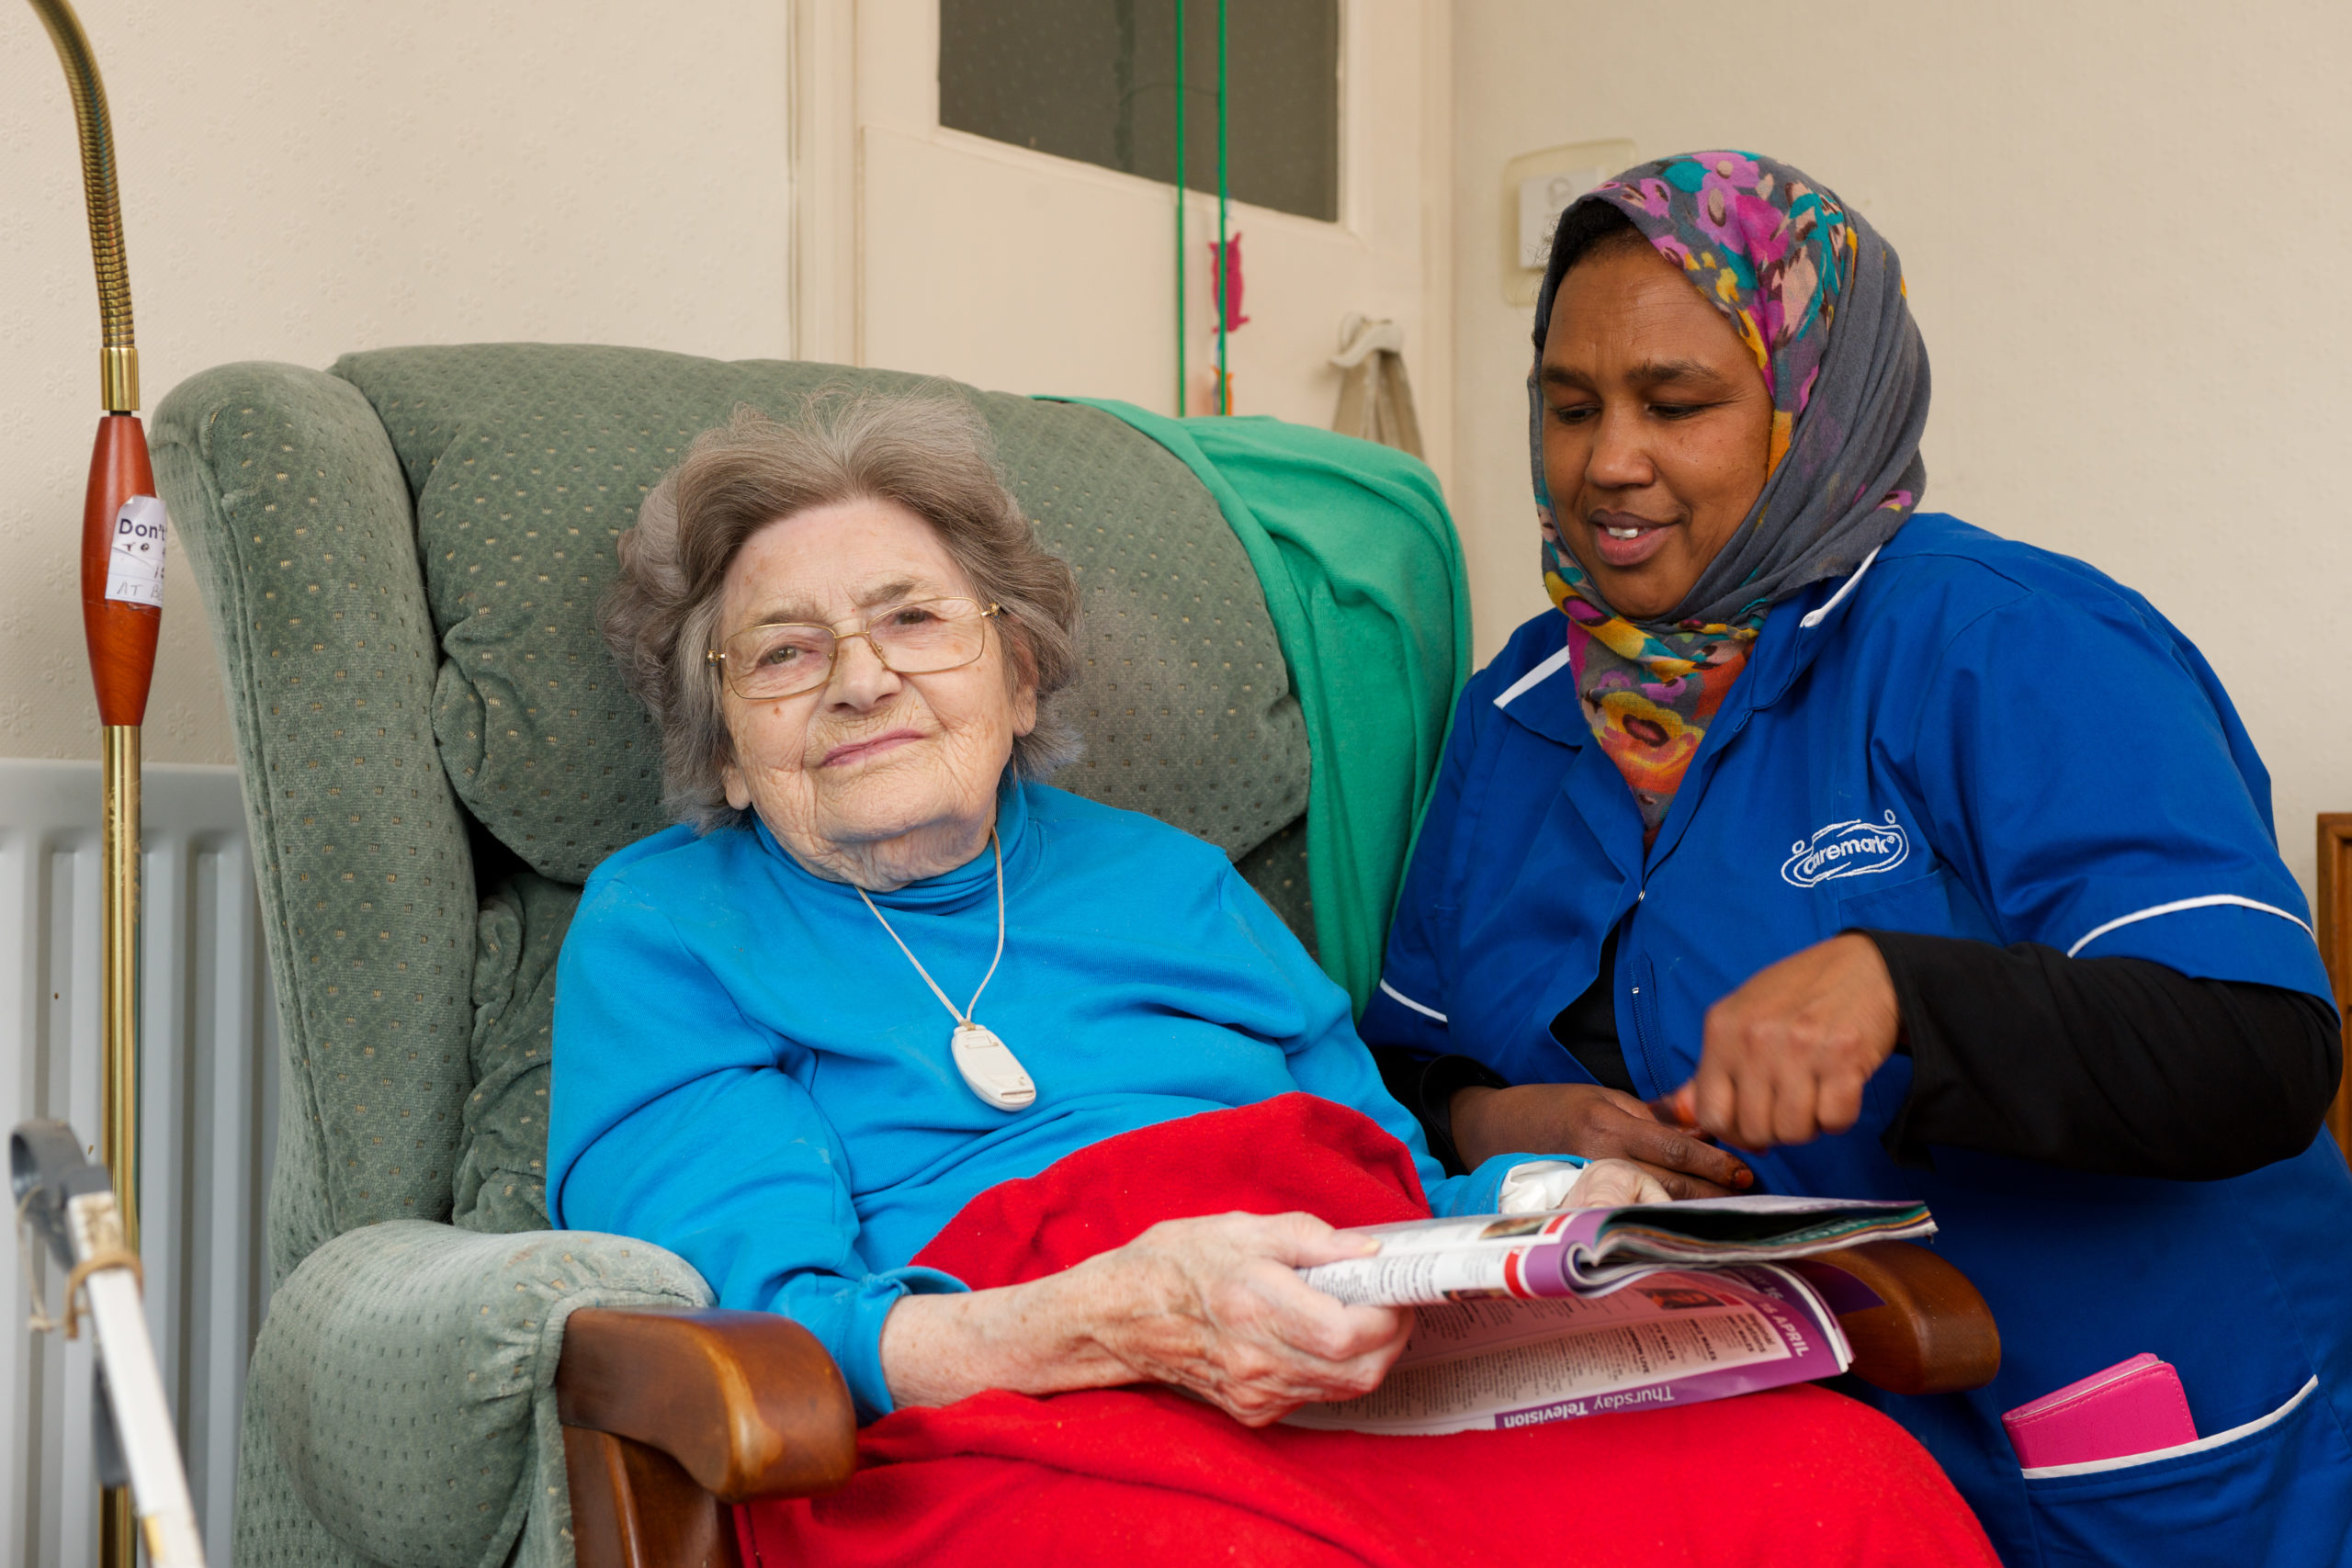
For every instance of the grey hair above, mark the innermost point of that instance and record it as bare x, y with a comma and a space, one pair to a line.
925, 450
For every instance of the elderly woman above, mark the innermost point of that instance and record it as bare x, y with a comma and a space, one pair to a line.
1907, 860
1005, 1094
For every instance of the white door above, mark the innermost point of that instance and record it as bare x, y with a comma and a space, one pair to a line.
935, 249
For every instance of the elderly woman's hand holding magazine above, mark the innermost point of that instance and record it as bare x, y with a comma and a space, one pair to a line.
1212, 1305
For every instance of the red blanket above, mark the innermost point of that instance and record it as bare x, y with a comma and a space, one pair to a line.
1126, 1476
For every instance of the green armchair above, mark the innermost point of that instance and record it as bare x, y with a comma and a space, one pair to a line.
401, 559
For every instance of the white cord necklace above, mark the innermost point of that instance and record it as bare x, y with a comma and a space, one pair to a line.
988, 1063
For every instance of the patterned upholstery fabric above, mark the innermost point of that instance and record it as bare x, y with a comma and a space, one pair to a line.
407, 1368
503, 1147
296, 519
401, 562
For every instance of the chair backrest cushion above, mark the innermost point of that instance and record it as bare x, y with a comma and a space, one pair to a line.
529, 461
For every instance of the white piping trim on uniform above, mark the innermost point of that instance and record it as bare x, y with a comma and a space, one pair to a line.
2208, 901
1532, 679
1425, 1012
1821, 615
2095, 1466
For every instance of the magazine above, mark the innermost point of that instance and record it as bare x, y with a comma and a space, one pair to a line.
1568, 1251
1530, 1318
1658, 1336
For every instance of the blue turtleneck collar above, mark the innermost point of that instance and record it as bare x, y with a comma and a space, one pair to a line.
971, 882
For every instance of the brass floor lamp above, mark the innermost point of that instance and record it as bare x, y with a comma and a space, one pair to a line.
122, 597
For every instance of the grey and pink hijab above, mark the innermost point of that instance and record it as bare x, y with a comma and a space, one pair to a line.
1817, 297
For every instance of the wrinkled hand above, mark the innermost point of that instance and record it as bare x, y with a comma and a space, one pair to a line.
1214, 1306
1599, 1124
1788, 1054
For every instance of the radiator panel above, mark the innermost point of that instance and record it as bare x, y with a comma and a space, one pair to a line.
209, 1098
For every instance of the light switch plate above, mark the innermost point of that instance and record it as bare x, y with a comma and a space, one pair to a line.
1541, 199
1537, 186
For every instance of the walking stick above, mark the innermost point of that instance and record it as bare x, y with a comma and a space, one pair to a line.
66, 1207
122, 611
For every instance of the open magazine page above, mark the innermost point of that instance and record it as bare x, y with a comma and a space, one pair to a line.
1662, 1336
1575, 1250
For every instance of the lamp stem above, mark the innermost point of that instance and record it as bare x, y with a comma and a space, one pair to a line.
122, 559
118, 1043
119, 964
117, 355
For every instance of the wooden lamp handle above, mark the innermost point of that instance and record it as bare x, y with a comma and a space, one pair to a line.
122, 563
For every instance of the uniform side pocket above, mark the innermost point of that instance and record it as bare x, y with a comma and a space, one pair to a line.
2273, 1492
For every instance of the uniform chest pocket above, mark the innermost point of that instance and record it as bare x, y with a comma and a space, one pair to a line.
1934, 903
2275, 1493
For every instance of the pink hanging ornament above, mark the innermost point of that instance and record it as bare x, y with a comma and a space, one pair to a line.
1225, 276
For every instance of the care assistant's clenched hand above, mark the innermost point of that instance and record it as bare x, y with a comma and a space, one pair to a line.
1211, 1305
1598, 1123
1787, 1054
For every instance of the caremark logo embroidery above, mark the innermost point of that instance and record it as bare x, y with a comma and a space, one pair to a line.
1846, 849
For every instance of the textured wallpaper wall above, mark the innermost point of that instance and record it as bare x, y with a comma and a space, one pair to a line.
300, 179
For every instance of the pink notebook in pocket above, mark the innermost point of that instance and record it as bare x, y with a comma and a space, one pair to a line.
2132, 1407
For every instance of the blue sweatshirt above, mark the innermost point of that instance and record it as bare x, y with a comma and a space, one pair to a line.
749, 1073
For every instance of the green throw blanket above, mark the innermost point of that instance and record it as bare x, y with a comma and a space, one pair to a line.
1363, 578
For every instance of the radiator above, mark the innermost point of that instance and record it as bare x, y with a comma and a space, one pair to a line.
208, 1099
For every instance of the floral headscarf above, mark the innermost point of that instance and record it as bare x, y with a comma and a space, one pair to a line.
1817, 297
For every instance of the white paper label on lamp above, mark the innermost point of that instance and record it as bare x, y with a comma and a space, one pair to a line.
135, 565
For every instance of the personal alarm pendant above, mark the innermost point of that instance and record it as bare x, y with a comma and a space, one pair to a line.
990, 1069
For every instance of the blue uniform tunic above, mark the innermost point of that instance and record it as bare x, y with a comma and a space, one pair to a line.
749, 1072
1968, 737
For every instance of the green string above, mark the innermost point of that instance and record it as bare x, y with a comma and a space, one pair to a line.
1223, 273
1181, 409
1224, 250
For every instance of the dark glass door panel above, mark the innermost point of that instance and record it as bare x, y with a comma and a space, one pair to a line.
1095, 80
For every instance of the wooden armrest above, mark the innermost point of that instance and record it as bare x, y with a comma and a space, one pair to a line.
1929, 1332
746, 1402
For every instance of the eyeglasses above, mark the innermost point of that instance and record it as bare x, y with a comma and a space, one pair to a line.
919, 637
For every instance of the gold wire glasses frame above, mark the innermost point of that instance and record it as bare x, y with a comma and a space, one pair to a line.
921, 636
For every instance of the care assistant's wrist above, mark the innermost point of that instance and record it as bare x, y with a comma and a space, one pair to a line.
1473, 1122
1905, 954
1440, 1080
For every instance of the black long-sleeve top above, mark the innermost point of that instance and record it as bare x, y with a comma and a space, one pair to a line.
2120, 1067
